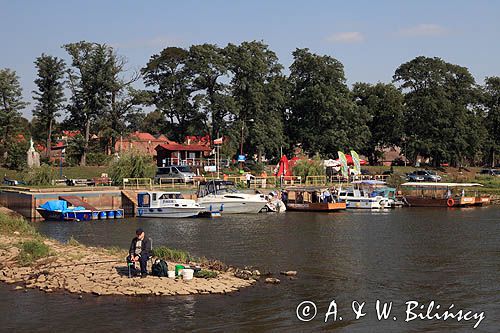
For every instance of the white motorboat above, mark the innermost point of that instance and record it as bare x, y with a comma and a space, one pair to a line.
221, 195
360, 197
166, 204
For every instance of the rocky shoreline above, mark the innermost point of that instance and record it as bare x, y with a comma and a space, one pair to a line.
89, 270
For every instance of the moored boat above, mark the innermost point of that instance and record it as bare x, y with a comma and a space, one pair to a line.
222, 195
441, 195
166, 204
58, 210
311, 199
367, 194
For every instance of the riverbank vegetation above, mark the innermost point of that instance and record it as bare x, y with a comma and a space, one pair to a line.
431, 109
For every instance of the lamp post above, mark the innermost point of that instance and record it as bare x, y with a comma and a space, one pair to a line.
241, 143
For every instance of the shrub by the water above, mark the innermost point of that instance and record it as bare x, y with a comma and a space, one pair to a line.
10, 224
44, 175
33, 250
171, 255
304, 168
132, 165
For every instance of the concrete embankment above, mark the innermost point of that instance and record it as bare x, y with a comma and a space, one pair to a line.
74, 269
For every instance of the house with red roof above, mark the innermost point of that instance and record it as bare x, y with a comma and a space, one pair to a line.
140, 141
173, 153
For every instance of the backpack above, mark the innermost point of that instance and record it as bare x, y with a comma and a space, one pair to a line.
160, 268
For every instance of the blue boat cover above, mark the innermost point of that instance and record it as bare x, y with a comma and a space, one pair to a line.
60, 205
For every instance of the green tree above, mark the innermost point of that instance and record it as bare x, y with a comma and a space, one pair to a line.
92, 80
258, 89
322, 115
440, 99
492, 120
384, 105
172, 83
50, 94
11, 103
209, 65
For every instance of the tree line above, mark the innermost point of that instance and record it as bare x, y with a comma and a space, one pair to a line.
432, 108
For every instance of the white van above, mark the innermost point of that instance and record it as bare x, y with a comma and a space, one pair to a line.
180, 173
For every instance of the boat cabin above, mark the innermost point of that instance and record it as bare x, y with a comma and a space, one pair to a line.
157, 199
215, 186
442, 194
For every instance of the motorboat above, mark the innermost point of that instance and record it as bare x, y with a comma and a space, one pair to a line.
166, 204
311, 199
59, 210
362, 195
442, 195
222, 195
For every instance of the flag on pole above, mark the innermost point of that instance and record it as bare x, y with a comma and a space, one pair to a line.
356, 162
218, 141
343, 162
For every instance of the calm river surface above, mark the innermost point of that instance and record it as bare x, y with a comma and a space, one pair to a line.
445, 255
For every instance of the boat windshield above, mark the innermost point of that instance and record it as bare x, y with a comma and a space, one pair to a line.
171, 196
217, 187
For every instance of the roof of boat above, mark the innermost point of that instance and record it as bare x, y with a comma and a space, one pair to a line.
217, 181
160, 192
307, 189
434, 184
369, 182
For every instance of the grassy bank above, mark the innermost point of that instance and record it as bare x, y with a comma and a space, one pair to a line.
69, 172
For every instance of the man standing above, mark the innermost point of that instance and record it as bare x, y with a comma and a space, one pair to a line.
249, 179
140, 251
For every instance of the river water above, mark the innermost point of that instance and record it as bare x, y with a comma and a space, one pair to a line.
450, 256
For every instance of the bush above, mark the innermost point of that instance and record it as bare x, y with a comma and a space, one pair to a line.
304, 168
167, 254
16, 154
10, 224
132, 165
44, 175
97, 159
33, 250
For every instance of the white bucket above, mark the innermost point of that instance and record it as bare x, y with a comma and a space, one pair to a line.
187, 274
171, 274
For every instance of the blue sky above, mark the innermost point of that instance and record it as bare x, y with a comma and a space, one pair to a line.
371, 38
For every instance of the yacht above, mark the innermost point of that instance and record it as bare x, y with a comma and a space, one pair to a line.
166, 204
222, 195
361, 196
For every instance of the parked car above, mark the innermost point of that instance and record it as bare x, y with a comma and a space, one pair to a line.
423, 175
175, 173
490, 172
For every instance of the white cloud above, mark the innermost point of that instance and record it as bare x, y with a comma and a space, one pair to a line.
149, 43
346, 37
424, 30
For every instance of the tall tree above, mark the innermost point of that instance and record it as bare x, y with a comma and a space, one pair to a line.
439, 106
11, 103
91, 82
50, 94
384, 105
208, 65
492, 104
171, 81
322, 115
258, 88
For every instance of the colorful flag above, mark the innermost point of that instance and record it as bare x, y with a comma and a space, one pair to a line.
218, 141
356, 162
343, 161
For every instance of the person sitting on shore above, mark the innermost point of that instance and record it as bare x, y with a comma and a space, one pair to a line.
140, 251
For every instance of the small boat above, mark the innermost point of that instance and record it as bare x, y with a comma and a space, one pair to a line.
58, 210
366, 194
166, 204
441, 195
222, 195
311, 199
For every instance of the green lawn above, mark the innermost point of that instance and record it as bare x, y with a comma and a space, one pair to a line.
69, 172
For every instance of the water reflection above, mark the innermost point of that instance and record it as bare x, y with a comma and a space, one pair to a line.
450, 256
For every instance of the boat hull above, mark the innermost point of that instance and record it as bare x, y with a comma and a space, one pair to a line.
317, 207
170, 212
366, 203
414, 201
51, 215
232, 207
